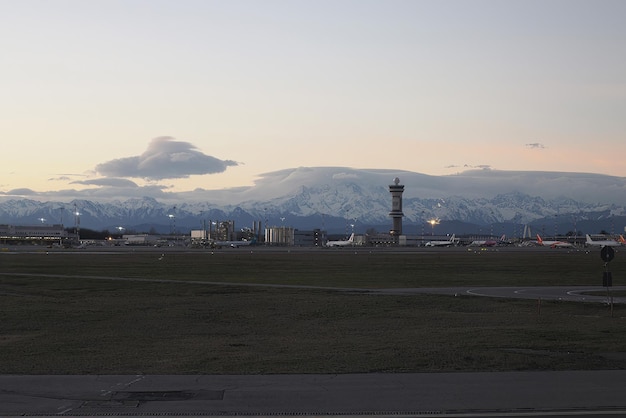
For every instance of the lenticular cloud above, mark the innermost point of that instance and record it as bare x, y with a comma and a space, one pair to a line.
165, 158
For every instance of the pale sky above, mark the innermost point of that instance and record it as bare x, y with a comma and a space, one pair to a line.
186, 94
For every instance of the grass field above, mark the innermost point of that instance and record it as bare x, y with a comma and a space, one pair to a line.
80, 324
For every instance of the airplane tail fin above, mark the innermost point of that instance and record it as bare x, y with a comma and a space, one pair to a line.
622, 240
539, 240
503, 237
588, 238
351, 239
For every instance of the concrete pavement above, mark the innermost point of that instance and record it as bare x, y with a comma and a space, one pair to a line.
411, 394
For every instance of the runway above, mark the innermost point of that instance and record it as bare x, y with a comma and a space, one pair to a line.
575, 393
560, 293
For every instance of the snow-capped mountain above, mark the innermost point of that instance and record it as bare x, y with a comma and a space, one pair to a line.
331, 197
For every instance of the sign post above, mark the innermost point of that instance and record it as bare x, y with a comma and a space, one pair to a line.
607, 254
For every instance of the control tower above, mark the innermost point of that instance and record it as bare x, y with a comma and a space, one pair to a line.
396, 189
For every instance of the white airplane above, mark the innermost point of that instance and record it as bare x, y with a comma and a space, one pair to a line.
554, 244
341, 243
451, 241
602, 243
233, 244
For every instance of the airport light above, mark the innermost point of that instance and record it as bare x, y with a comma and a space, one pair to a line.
172, 224
77, 224
432, 223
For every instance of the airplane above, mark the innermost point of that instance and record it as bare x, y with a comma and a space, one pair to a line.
554, 244
341, 243
488, 243
233, 244
602, 243
451, 241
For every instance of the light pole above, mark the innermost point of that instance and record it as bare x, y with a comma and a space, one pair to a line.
77, 224
555, 226
265, 231
432, 223
172, 217
172, 224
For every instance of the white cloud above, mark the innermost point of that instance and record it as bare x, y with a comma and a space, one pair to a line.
344, 176
165, 158
111, 182
480, 166
21, 192
60, 178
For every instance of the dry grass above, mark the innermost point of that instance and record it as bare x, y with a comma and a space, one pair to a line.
80, 325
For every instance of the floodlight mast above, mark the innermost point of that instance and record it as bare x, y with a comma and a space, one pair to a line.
77, 223
172, 223
432, 223
172, 217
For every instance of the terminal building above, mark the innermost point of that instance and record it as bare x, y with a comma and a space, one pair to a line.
33, 233
280, 235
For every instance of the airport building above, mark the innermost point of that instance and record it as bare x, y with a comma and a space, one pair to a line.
280, 235
32, 233
314, 238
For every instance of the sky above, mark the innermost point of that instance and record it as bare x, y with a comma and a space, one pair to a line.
154, 95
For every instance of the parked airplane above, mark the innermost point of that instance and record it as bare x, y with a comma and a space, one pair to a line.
341, 243
489, 242
233, 244
451, 241
554, 244
602, 243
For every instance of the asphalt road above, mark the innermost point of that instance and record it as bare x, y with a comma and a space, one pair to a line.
577, 393
563, 293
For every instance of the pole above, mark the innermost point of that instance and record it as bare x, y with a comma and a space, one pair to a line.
539, 306
609, 297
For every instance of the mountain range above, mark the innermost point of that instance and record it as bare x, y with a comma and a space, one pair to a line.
338, 198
